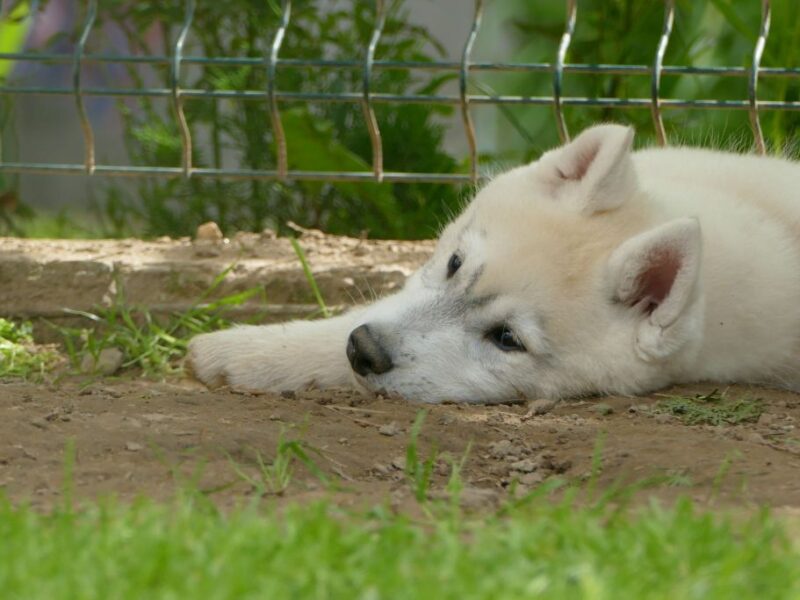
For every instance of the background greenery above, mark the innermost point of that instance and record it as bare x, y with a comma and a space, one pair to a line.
333, 136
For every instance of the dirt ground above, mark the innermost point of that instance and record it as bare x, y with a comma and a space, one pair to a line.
137, 437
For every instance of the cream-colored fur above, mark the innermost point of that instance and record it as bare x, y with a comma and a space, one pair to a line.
592, 270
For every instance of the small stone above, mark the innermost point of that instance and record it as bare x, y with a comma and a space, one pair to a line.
288, 394
343, 440
399, 463
133, 446
531, 479
275, 417
525, 465
380, 469
389, 429
108, 362
663, 418
754, 437
209, 232
603, 409
446, 419
540, 407
504, 449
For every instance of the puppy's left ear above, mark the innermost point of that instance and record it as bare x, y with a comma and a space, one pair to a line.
594, 172
656, 275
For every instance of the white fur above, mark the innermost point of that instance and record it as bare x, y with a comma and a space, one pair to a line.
619, 272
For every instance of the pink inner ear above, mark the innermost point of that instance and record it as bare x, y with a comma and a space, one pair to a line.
656, 281
579, 163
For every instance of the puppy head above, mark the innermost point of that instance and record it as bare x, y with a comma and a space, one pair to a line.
558, 280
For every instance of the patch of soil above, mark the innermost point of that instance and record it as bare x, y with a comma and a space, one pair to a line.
138, 437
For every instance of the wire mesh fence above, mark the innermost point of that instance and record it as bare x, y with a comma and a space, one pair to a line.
274, 98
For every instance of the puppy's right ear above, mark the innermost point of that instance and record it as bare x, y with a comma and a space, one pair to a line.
656, 275
594, 172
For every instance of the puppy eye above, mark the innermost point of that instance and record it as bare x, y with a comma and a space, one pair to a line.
453, 265
505, 339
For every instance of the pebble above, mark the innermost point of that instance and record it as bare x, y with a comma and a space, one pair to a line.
531, 479
399, 463
504, 448
389, 429
525, 465
108, 362
210, 232
133, 446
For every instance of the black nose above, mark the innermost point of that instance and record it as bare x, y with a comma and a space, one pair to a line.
365, 353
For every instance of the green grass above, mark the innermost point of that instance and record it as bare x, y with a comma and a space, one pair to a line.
714, 408
537, 549
312, 282
152, 344
19, 356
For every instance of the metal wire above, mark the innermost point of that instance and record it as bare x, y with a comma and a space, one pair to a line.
77, 65
752, 82
658, 68
368, 98
558, 73
275, 116
463, 77
175, 92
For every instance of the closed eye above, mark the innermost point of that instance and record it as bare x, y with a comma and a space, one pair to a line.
505, 339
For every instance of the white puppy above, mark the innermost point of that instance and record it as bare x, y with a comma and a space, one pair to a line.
592, 270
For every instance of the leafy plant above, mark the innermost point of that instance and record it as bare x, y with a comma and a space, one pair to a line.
274, 477
710, 33
19, 356
420, 470
324, 136
301, 256
147, 342
714, 408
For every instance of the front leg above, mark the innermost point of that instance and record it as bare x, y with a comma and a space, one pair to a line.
287, 356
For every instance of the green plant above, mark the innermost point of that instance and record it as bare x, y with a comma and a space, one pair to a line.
19, 356
150, 343
419, 470
274, 477
324, 136
712, 32
312, 282
714, 408
543, 549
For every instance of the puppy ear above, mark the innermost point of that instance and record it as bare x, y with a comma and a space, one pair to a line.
656, 275
592, 173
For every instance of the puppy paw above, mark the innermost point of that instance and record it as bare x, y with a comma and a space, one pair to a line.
207, 359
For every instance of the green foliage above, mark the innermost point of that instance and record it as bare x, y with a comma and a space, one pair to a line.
708, 33
540, 549
151, 344
19, 356
712, 409
312, 282
324, 136
274, 477
420, 470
